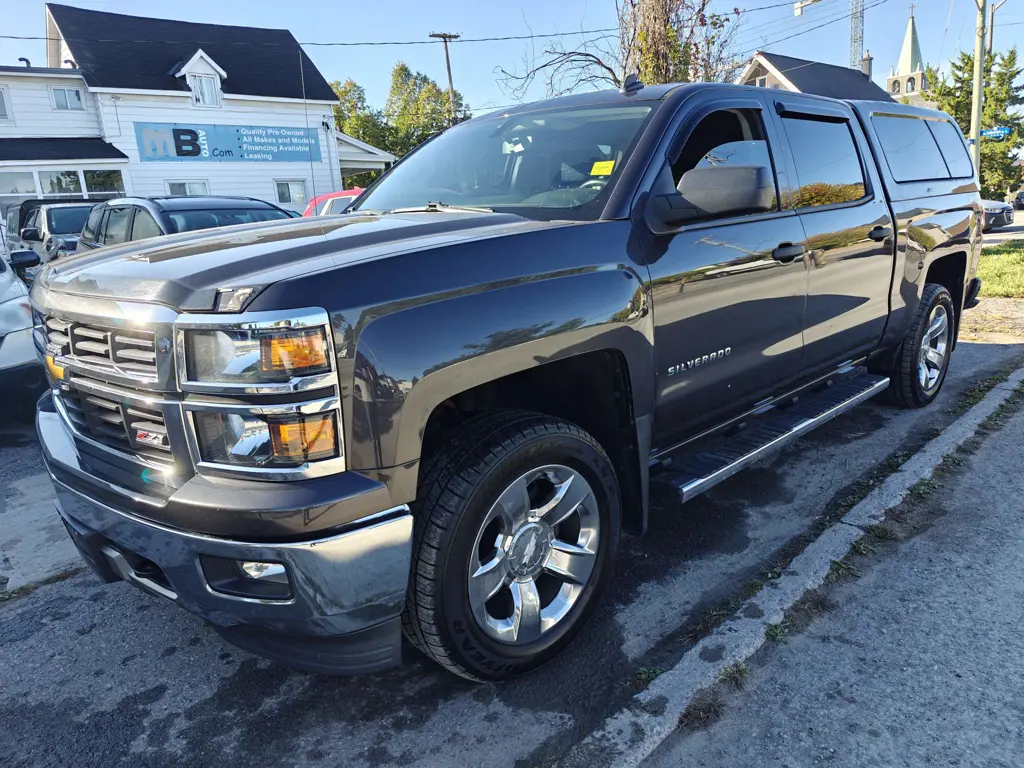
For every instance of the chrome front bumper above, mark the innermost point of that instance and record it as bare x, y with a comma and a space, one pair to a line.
346, 590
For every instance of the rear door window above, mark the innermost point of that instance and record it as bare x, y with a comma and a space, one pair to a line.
952, 147
115, 229
909, 148
144, 226
827, 163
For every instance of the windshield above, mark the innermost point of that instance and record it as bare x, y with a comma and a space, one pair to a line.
546, 164
186, 221
67, 221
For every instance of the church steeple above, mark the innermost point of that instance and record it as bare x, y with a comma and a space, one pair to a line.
910, 55
909, 78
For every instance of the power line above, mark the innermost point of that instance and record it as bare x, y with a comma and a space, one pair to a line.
812, 29
354, 43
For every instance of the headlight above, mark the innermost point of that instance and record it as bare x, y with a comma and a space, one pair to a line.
251, 440
255, 356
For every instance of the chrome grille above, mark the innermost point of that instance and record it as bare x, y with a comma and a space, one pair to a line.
129, 350
127, 428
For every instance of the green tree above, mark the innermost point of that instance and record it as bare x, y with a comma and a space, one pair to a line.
1002, 96
416, 109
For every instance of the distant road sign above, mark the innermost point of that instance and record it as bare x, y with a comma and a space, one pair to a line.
1000, 132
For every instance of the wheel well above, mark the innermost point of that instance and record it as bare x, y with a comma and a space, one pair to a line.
951, 272
591, 390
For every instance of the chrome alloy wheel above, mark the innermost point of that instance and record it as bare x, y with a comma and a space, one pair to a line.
534, 554
931, 360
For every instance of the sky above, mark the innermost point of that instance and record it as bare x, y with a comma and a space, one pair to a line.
821, 34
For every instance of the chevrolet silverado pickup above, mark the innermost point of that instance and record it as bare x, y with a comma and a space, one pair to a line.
432, 416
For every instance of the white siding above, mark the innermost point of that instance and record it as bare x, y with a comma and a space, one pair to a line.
251, 179
30, 103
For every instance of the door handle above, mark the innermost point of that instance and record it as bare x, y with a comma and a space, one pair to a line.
878, 234
787, 252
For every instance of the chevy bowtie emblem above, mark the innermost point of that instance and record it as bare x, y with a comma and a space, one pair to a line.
150, 438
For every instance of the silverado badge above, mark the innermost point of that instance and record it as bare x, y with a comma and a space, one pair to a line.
697, 361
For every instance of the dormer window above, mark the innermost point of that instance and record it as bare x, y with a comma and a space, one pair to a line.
203, 76
205, 90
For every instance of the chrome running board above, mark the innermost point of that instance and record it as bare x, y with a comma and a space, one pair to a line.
769, 433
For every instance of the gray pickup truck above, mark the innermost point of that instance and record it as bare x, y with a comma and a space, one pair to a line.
432, 416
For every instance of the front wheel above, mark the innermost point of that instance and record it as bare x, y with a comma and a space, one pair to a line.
515, 535
923, 361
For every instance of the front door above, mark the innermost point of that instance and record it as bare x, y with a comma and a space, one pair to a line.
728, 291
849, 236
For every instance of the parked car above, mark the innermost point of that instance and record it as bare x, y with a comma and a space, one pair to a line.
45, 225
21, 376
127, 219
997, 214
437, 415
332, 202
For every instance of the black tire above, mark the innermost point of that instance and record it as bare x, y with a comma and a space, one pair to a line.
459, 485
905, 388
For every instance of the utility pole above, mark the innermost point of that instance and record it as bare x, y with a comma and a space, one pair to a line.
857, 33
447, 37
992, 22
979, 85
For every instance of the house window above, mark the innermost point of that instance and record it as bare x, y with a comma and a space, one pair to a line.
5, 109
103, 185
68, 98
291, 191
205, 90
762, 82
911, 85
895, 86
183, 188
17, 183
60, 183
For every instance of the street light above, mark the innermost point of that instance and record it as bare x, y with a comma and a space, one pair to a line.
799, 5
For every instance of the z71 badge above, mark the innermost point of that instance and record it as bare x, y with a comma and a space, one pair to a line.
698, 361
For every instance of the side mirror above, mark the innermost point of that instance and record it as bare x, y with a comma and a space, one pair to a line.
728, 189
31, 235
24, 259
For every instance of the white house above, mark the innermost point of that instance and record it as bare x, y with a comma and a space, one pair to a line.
150, 107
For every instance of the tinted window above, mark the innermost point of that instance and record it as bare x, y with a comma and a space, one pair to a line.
727, 138
954, 152
909, 149
92, 224
67, 221
827, 164
144, 226
551, 163
186, 221
115, 229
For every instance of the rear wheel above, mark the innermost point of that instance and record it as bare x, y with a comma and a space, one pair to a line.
923, 361
515, 536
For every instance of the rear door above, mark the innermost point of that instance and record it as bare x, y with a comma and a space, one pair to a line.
729, 291
848, 230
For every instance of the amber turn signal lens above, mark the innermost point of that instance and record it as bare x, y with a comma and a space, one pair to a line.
297, 352
311, 438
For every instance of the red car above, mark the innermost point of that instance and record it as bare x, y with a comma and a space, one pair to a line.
332, 202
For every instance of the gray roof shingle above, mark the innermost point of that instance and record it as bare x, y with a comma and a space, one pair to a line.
118, 51
826, 79
86, 148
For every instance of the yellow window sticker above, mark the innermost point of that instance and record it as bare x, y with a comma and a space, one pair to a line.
602, 168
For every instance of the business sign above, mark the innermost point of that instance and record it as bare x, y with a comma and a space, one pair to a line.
188, 142
1000, 132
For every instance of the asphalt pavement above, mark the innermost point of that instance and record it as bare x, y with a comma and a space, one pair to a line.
922, 662
94, 674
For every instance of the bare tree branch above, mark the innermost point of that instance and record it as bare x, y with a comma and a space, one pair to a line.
662, 41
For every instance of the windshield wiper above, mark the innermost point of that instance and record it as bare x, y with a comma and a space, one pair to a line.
436, 206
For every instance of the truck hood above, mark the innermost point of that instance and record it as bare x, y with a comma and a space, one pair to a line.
185, 271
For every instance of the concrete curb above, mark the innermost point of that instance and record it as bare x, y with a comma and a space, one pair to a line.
628, 736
